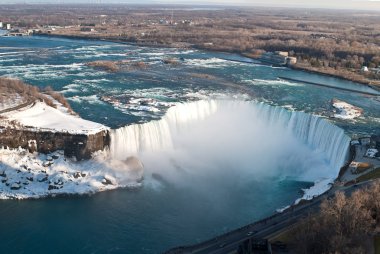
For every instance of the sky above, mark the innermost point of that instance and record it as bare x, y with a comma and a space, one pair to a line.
334, 4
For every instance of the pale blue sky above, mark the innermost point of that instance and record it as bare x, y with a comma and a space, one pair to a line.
340, 4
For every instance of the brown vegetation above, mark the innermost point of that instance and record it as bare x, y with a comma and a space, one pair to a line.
203, 76
139, 65
58, 97
333, 42
16, 88
115, 66
171, 61
104, 65
343, 225
10, 86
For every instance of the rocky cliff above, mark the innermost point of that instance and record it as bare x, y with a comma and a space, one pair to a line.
80, 146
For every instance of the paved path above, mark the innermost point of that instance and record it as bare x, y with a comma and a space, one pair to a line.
23, 105
360, 151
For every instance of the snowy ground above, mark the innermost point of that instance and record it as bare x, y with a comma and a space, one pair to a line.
345, 110
316, 190
25, 175
10, 100
371, 153
40, 116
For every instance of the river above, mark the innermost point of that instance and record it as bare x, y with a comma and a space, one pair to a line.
190, 194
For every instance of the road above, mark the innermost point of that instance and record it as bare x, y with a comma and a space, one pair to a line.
262, 229
17, 107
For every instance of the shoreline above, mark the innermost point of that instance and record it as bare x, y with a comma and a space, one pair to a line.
190, 46
298, 68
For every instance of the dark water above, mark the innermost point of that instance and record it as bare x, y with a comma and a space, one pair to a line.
152, 219
140, 221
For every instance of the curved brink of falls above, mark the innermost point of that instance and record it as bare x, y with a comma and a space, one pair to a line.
316, 133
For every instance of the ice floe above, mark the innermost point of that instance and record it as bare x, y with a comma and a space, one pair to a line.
343, 110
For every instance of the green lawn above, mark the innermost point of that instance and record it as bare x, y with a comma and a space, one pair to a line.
371, 175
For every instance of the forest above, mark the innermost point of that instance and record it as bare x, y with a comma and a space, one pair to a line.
345, 224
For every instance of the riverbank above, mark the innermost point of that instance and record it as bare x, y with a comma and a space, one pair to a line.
329, 86
344, 75
374, 84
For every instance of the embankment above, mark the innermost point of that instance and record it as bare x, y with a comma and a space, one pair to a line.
80, 146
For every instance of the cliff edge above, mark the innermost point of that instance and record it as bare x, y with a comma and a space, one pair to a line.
39, 122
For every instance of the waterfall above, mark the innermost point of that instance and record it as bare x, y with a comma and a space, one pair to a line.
154, 135
314, 131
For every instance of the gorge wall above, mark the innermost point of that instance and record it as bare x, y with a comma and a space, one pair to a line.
74, 145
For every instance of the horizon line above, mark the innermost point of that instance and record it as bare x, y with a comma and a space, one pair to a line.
195, 5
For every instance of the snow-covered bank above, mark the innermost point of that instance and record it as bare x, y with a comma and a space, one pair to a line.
343, 110
42, 117
26, 175
319, 187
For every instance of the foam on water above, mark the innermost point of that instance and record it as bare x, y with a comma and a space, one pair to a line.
209, 63
270, 82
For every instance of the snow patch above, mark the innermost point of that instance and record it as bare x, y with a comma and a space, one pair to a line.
26, 175
319, 187
371, 153
345, 110
42, 117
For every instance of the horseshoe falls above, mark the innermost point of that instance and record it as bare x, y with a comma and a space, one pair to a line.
252, 133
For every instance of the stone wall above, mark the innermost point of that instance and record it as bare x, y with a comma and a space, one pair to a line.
79, 146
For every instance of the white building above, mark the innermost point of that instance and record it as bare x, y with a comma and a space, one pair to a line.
8, 26
1, 24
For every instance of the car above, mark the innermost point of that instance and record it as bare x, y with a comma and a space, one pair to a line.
251, 233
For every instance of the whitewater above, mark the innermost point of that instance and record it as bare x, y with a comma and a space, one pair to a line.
247, 135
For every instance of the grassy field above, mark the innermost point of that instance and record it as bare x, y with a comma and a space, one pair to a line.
371, 175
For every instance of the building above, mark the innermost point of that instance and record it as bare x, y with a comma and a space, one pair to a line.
8, 26
280, 58
1, 24
87, 29
291, 60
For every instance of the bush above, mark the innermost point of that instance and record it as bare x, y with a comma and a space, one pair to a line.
9, 86
104, 65
343, 225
